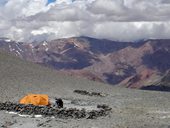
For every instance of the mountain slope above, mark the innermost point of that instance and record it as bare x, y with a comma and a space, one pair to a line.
19, 77
129, 64
162, 84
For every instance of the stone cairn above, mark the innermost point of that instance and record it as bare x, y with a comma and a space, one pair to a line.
64, 113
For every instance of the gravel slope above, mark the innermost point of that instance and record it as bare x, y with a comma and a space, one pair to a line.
130, 108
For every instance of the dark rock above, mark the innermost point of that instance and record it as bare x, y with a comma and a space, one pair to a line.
83, 92
103, 106
63, 113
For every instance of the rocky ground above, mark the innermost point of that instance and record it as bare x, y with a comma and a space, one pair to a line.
137, 109
129, 108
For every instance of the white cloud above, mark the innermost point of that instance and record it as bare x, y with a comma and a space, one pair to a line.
124, 20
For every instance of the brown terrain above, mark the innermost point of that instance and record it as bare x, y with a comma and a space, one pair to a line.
131, 64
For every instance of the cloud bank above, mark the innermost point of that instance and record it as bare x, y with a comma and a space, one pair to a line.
122, 20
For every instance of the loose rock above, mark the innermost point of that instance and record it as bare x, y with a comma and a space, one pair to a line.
83, 92
63, 113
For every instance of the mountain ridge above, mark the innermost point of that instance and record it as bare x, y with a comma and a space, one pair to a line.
129, 64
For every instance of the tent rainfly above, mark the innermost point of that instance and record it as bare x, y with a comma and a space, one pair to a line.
35, 99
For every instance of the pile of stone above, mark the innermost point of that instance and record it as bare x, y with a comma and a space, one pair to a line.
73, 113
83, 92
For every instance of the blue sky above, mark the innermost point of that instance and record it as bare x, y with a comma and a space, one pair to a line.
2, 2
50, 1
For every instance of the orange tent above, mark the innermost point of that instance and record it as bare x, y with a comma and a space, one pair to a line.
35, 99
